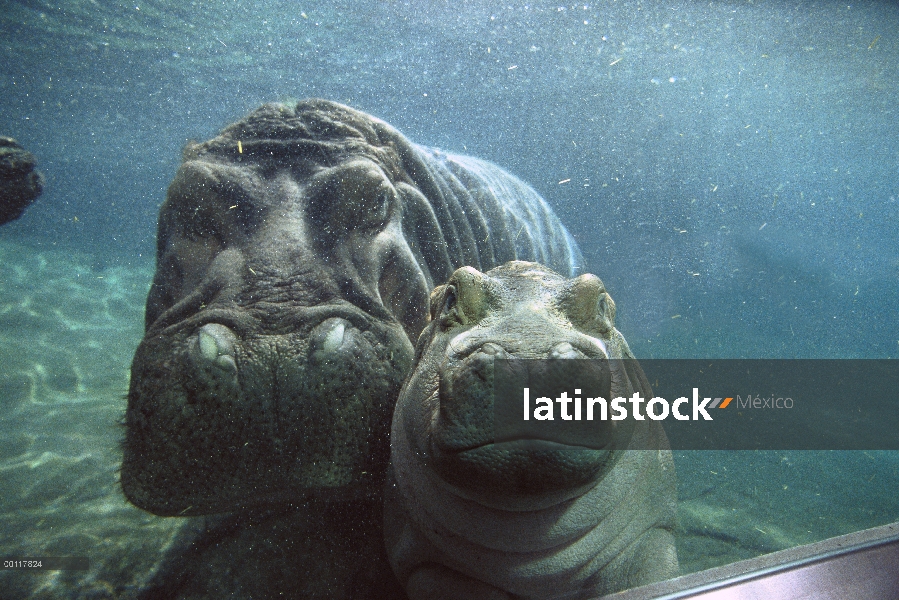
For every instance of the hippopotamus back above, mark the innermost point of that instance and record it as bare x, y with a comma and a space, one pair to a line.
470, 516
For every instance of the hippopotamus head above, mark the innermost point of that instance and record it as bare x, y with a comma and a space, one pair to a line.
280, 316
445, 412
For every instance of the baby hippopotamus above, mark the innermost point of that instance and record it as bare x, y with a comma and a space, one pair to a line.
467, 516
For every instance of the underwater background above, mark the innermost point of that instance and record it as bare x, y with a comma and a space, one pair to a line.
729, 169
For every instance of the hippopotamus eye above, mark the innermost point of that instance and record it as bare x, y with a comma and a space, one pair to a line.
450, 313
588, 305
377, 212
355, 195
462, 301
450, 302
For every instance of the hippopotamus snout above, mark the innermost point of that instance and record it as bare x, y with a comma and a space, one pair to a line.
465, 449
214, 348
518, 348
315, 383
468, 388
528, 336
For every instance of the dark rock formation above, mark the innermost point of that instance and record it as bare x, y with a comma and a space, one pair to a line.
20, 182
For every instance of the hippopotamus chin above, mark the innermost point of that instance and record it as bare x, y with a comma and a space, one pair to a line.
468, 515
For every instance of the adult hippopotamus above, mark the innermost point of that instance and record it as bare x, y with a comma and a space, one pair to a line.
295, 255
468, 517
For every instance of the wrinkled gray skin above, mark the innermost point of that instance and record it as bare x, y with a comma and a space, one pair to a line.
20, 182
296, 252
469, 518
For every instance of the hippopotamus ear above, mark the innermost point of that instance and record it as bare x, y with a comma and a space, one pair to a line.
606, 308
588, 305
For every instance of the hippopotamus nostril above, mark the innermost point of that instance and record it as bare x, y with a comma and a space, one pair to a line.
214, 346
494, 350
328, 336
335, 337
563, 350
212, 352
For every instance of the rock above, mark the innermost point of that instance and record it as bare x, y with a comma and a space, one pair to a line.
20, 182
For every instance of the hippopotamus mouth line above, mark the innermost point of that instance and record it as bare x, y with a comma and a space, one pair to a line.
538, 444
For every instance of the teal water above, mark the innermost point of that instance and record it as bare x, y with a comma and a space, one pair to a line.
731, 172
